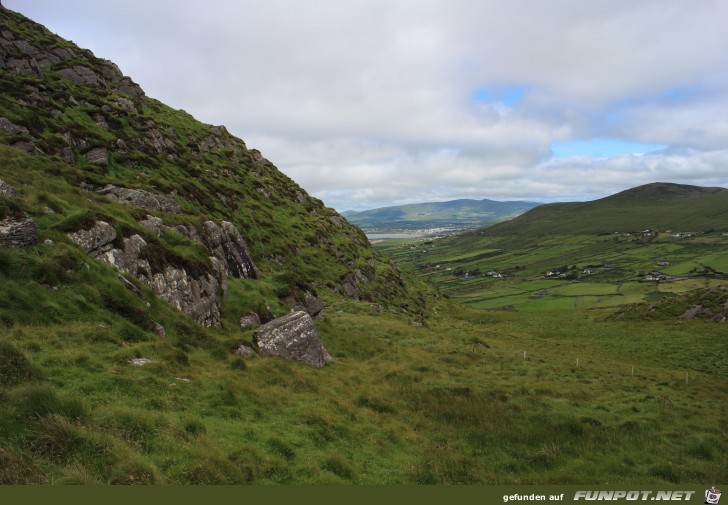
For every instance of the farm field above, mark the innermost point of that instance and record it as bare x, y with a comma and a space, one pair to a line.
594, 272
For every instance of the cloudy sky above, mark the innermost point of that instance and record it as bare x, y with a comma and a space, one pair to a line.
368, 103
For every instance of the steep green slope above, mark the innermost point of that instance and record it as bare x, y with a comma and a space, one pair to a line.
81, 123
657, 206
458, 213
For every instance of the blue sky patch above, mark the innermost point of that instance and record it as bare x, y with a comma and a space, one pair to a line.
506, 94
600, 148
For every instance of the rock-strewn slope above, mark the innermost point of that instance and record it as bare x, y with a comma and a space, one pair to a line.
178, 177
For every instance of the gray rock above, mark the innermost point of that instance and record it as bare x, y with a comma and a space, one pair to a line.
139, 361
695, 311
227, 245
306, 302
7, 190
159, 329
26, 147
142, 199
244, 350
292, 337
197, 296
81, 76
154, 224
11, 127
18, 231
98, 156
350, 289
96, 240
251, 319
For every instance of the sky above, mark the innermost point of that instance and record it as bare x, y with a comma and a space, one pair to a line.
371, 103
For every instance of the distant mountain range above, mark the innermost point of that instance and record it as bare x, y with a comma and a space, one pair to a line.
656, 206
458, 214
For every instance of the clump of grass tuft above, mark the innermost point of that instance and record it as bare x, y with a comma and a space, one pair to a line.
337, 465
35, 401
18, 468
14, 366
282, 448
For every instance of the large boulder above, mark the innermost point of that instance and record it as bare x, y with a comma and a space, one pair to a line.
292, 337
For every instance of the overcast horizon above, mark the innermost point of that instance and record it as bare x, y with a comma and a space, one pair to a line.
374, 103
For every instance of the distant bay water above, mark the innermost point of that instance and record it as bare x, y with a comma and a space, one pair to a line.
384, 236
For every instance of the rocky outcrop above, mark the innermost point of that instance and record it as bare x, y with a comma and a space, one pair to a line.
98, 156
226, 244
139, 198
10, 127
292, 337
695, 311
305, 301
196, 294
96, 240
244, 350
250, 319
80, 67
18, 231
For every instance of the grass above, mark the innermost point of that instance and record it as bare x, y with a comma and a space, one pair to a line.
400, 404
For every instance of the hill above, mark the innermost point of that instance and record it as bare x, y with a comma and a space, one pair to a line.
455, 214
657, 206
85, 145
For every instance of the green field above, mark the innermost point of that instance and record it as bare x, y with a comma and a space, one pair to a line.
600, 271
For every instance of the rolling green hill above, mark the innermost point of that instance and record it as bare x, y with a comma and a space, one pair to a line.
458, 214
657, 206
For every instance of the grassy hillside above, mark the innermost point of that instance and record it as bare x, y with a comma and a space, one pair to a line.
458, 214
658, 206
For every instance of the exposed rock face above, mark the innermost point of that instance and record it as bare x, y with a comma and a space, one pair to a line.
18, 231
142, 199
19, 56
98, 156
244, 350
292, 337
96, 240
251, 319
227, 245
305, 301
695, 311
11, 127
197, 295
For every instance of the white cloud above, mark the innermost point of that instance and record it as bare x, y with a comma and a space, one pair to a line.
369, 102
